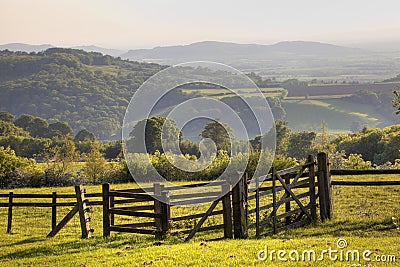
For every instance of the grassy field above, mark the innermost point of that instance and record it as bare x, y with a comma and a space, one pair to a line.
362, 216
246, 92
308, 114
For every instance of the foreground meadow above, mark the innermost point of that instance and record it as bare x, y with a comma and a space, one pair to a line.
367, 218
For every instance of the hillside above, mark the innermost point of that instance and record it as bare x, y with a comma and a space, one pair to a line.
212, 50
91, 91
87, 90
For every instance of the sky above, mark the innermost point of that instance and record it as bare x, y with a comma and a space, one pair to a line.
129, 24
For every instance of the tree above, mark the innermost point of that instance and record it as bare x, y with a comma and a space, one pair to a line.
95, 164
301, 144
37, 127
366, 142
323, 141
396, 101
84, 135
7, 117
8, 129
59, 129
151, 130
9, 163
62, 156
278, 136
113, 150
282, 137
220, 133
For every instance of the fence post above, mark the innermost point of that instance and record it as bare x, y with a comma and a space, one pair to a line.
311, 175
239, 209
257, 207
53, 211
10, 205
227, 211
287, 204
83, 211
274, 208
324, 186
106, 207
158, 188
165, 213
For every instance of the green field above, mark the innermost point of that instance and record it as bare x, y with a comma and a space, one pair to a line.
362, 216
245, 92
308, 114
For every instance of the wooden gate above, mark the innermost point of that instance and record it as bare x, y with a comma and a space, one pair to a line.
283, 199
155, 204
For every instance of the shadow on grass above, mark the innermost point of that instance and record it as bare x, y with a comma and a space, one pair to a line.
347, 227
72, 247
25, 241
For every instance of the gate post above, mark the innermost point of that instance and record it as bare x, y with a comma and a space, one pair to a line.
106, 208
311, 176
227, 211
162, 209
324, 186
239, 201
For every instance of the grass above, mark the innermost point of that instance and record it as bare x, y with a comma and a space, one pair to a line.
246, 92
308, 114
363, 216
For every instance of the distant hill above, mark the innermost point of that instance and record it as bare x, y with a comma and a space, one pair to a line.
283, 60
25, 47
211, 50
39, 48
104, 51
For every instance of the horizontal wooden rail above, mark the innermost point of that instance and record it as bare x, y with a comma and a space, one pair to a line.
364, 172
130, 195
195, 195
193, 201
288, 171
120, 211
365, 183
137, 225
180, 187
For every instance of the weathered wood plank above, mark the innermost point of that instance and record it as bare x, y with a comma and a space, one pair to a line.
365, 183
121, 211
64, 221
364, 172
202, 220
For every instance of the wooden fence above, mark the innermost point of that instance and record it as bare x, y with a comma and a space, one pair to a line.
278, 200
80, 206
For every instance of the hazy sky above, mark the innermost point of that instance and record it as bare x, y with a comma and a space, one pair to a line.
147, 23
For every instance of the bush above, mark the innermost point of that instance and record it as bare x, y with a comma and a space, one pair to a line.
15, 170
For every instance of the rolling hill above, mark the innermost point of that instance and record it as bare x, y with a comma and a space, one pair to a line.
87, 90
91, 91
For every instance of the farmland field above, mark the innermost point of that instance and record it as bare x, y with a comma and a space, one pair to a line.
365, 217
246, 92
308, 114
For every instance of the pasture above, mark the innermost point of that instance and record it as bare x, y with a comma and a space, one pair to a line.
338, 114
366, 217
